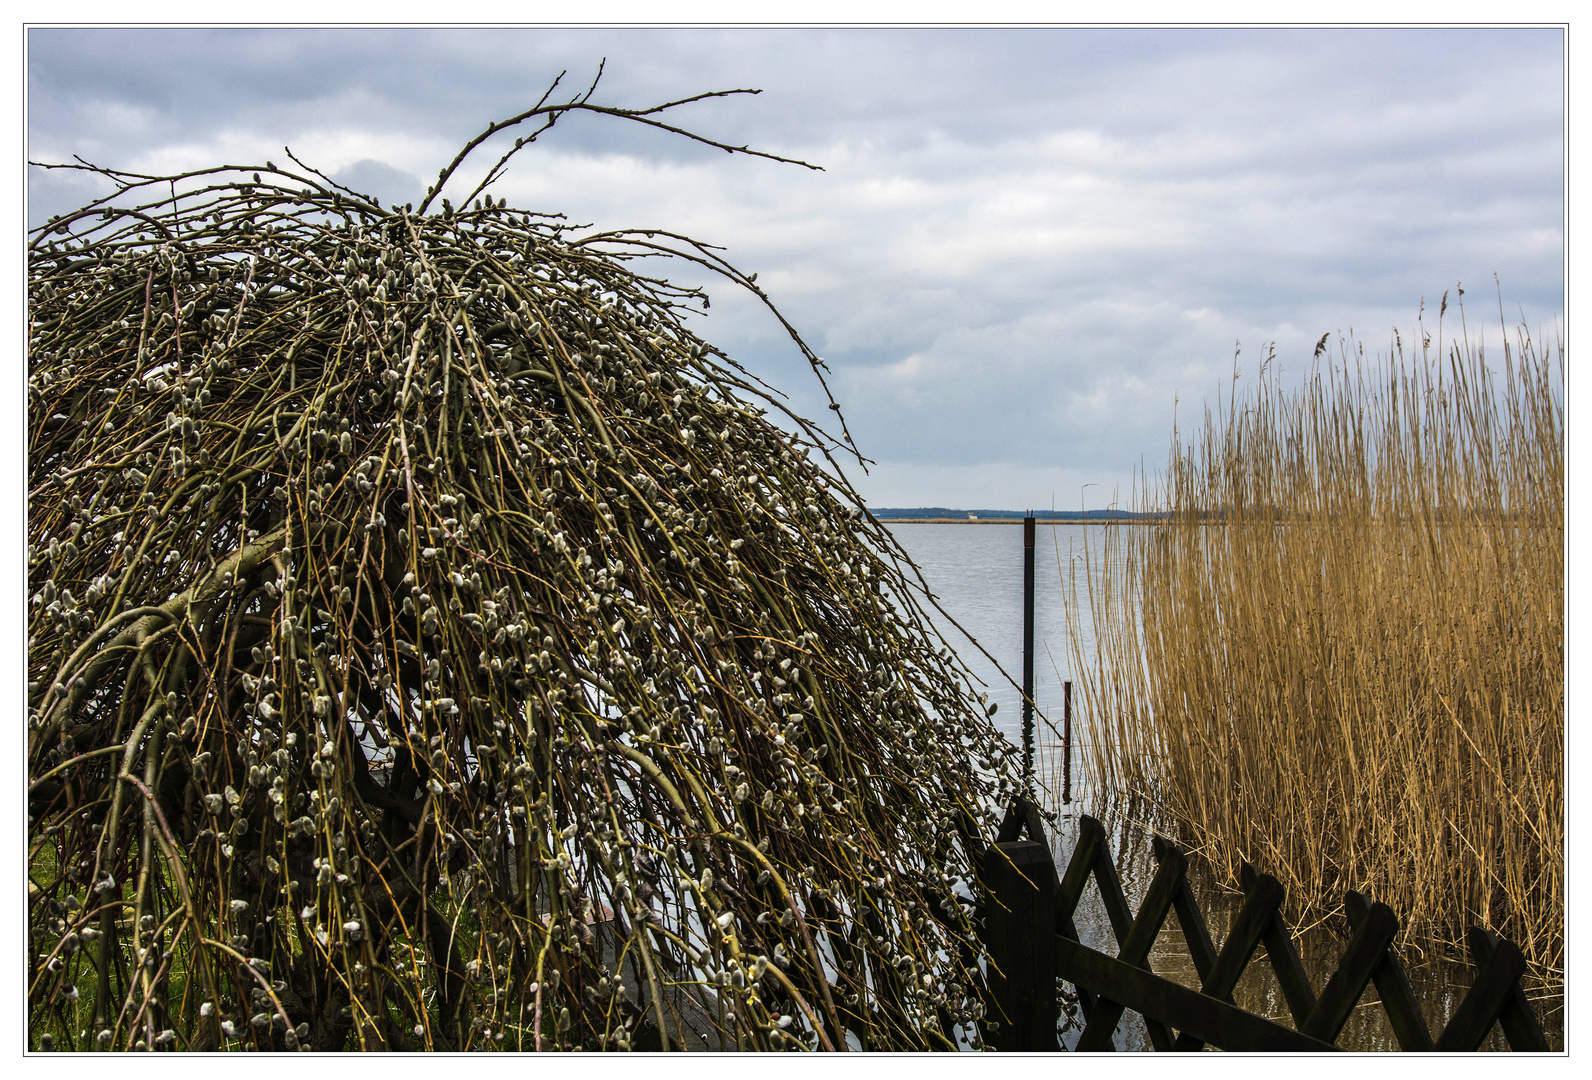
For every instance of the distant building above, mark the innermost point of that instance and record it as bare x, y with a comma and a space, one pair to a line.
972, 516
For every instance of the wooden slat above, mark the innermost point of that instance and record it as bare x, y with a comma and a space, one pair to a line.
1161, 1037
1167, 859
1022, 816
1189, 916
1086, 997
1109, 985
1367, 948
1012, 824
1135, 952
1196, 935
1284, 958
1091, 839
1264, 896
1036, 823
1392, 986
1090, 853
1205, 1018
1112, 898
1291, 977
1467, 1029
1516, 1018
1153, 911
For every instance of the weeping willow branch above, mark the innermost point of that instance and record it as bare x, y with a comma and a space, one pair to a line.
493, 668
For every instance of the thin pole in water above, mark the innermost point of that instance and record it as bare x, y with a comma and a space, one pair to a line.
1066, 742
1028, 648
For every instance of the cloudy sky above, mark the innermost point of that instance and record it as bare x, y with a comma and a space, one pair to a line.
1027, 250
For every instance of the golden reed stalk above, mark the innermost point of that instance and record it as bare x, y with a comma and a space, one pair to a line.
1341, 653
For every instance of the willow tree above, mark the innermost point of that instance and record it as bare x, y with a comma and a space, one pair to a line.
434, 644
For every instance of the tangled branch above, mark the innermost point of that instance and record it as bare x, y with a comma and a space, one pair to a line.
433, 644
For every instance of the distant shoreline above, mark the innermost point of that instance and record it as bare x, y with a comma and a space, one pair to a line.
944, 515
1013, 521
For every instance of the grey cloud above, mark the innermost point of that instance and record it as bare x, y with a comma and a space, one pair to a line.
392, 186
1065, 230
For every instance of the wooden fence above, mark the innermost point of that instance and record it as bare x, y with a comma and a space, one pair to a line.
1030, 909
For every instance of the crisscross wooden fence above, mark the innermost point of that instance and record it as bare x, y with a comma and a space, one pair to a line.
1033, 942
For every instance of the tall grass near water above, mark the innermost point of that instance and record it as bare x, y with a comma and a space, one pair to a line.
1340, 654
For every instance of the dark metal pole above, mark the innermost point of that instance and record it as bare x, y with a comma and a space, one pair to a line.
1066, 741
1028, 648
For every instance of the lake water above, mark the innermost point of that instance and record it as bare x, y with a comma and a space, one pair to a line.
976, 573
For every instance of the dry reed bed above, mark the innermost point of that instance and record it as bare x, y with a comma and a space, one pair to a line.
1341, 656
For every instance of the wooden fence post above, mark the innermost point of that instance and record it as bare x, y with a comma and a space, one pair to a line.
1020, 882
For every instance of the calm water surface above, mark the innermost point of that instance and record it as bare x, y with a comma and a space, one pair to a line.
976, 573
